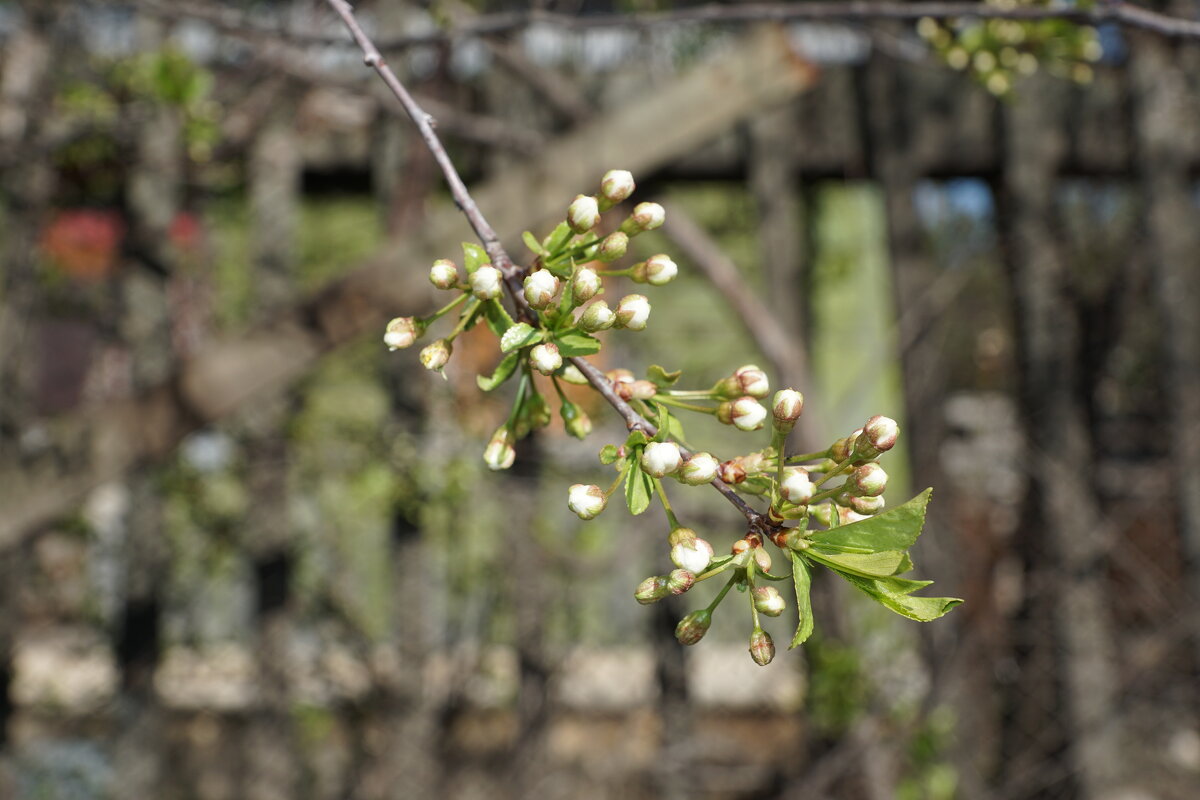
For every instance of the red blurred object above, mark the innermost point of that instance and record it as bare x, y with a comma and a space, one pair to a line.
84, 243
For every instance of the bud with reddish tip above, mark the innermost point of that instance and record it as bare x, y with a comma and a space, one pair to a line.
444, 274
635, 390
540, 288
583, 214
762, 648
499, 453
584, 285
691, 629
597, 317
746, 414
616, 186
401, 332
797, 488
575, 420
486, 282
694, 556
434, 356
586, 500
701, 468
645, 217
660, 270
868, 480
680, 580
881, 433
867, 506
769, 601
732, 471
660, 459
633, 312
612, 247
762, 559
753, 381
786, 406
652, 590
545, 358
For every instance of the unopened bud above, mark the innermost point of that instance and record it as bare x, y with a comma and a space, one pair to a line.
545, 358
660, 270
597, 317
867, 506
612, 247
769, 601
747, 414
762, 558
840, 450
585, 285
402, 332
632, 312
732, 471
583, 214
699, 469
786, 407
681, 535
575, 420
619, 375
499, 453
753, 381
444, 274
571, 374
486, 282
616, 186
661, 458
762, 648
645, 217
741, 546
540, 288
652, 590
680, 580
434, 356
586, 500
694, 556
797, 488
869, 480
636, 390
691, 629
881, 432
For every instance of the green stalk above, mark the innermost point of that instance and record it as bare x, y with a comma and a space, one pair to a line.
666, 504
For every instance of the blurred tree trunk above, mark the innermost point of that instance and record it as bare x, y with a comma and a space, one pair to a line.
1071, 662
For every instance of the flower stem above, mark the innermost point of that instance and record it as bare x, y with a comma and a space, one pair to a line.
800, 459
666, 504
721, 595
669, 401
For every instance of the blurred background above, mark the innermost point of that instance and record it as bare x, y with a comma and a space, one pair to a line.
247, 553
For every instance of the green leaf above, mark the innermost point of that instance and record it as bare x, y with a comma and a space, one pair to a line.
520, 335
576, 343
504, 371
474, 257
609, 454
803, 580
922, 609
497, 318
635, 439
894, 529
881, 564
532, 243
661, 378
553, 243
637, 489
675, 429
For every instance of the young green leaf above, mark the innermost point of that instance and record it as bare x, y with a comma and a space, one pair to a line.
636, 438
894, 529
474, 257
803, 580
504, 371
608, 454
881, 564
553, 243
922, 609
637, 489
661, 378
497, 318
576, 343
533, 244
520, 335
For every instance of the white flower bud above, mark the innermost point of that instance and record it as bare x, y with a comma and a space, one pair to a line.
645, 217
661, 458
632, 312
797, 488
612, 247
401, 332
701, 468
786, 406
540, 288
434, 356
587, 501
747, 414
768, 601
869, 480
866, 506
660, 270
585, 285
444, 274
571, 374
694, 556
499, 453
753, 381
597, 317
486, 282
583, 214
616, 185
545, 358
881, 432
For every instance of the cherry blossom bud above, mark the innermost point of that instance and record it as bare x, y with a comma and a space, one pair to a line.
769, 601
575, 420
661, 458
843, 498
645, 217
840, 450
402, 332
797, 488
732, 471
660, 270
585, 285
868, 480
762, 558
499, 453
694, 556
486, 282
612, 247
586, 500
444, 274
434, 356
583, 214
545, 358
632, 312
741, 546
597, 317
619, 375
881, 432
681, 535
652, 590
680, 580
701, 468
540, 288
867, 506
762, 648
571, 374
786, 407
691, 629
616, 186
635, 390
753, 381
747, 414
